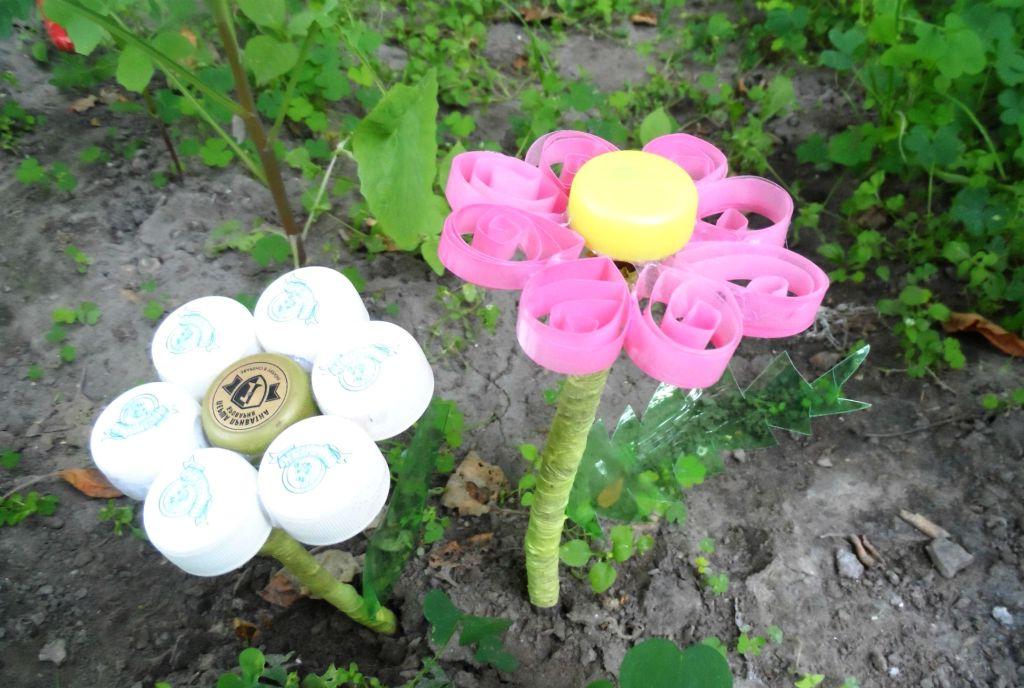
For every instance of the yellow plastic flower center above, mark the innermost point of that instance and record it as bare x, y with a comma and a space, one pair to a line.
633, 206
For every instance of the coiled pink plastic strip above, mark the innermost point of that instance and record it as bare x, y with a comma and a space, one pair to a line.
507, 231
487, 177
497, 236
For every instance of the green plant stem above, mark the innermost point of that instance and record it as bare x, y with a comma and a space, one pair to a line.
240, 152
253, 125
301, 564
559, 461
981, 130
151, 107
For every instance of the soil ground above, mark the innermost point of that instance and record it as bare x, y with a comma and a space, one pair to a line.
128, 618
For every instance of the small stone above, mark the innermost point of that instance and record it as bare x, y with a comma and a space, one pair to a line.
825, 462
46, 589
949, 557
894, 672
55, 651
848, 564
877, 660
1002, 615
823, 360
740, 455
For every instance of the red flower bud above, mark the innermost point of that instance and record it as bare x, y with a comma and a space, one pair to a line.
58, 36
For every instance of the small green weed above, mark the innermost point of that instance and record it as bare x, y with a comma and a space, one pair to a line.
122, 518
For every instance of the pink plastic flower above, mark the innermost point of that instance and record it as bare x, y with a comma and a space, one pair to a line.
683, 317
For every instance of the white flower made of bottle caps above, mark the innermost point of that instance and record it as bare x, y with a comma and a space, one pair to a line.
305, 387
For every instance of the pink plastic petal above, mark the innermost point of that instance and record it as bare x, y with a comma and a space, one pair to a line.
567, 148
778, 291
732, 199
691, 344
701, 160
573, 316
499, 247
487, 177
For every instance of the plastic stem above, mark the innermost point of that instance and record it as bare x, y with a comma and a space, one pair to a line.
560, 459
290, 552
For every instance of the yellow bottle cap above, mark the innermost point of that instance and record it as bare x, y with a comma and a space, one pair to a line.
633, 206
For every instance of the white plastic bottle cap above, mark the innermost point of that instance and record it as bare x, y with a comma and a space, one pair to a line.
203, 513
377, 375
305, 310
323, 480
143, 430
200, 339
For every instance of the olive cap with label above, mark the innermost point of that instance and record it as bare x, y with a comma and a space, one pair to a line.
198, 339
203, 513
304, 310
323, 480
143, 430
253, 400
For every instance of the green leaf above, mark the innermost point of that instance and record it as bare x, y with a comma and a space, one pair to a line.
30, 172
9, 458
395, 146
601, 576
622, 543
252, 662
443, 616
216, 153
428, 249
913, 295
153, 310
34, 373
657, 123
704, 667
264, 12
174, 45
271, 248
602, 683
355, 277
653, 663
68, 353
779, 97
574, 553
134, 69
268, 58
689, 471
809, 681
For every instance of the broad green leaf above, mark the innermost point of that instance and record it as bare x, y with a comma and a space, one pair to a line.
395, 146
913, 295
652, 663
658, 123
704, 667
269, 58
264, 12
622, 543
689, 471
252, 662
271, 248
443, 616
134, 69
779, 97
174, 45
428, 249
574, 553
601, 576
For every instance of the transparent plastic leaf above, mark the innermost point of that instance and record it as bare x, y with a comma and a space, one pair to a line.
635, 472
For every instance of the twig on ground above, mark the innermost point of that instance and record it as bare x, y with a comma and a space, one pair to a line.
923, 524
858, 549
910, 431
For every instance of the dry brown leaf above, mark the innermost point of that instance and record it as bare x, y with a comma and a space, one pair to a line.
474, 486
446, 555
520, 63
95, 121
82, 104
245, 630
89, 482
644, 18
110, 95
280, 591
1007, 342
189, 36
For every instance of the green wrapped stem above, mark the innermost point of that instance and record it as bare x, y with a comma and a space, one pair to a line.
301, 564
560, 459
